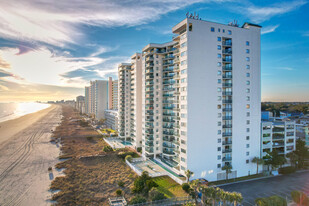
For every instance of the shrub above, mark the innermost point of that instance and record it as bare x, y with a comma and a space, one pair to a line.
119, 192
143, 183
89, 138
107, 149
300, 198
139, 149
128, 158
154, 195
150, 184
137, 199
186, 187
123, 155
286, 170
120, 183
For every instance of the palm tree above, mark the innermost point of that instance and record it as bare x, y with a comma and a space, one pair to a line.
223, 196
293, 158
228, 169
237, 198
258, 161
210, 193
194, 187
188, 175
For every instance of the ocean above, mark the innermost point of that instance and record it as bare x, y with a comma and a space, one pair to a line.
10, 111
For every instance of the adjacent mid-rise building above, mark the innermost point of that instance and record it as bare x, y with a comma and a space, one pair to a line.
279, 136
111, 117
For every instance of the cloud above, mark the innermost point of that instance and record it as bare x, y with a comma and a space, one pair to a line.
4, 64
261, 14
59, 22
269, 29
43, 66
286, 68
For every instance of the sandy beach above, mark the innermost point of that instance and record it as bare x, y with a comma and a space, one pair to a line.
25, 155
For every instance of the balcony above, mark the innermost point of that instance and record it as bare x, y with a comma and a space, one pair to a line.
227, 60
227, 109
227, 101
227, 84
227, 151
227, 117
227, 126
227, 76
227, 43
227, 68
227, 142
169, 82
226, 159
226, 51
227, 93
227, 134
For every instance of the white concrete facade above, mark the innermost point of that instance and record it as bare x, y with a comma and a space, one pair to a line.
111, 117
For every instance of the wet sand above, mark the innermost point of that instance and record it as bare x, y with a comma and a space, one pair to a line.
25, 155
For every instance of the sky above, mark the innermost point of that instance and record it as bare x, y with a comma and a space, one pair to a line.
50, 50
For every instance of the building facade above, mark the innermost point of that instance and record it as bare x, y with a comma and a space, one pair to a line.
80, 104
115, 94
124, 101
279, 136
111, 117
201, 99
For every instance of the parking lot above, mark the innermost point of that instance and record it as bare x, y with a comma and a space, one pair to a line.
279, 185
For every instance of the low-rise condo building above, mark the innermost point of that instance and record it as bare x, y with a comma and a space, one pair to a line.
111, 117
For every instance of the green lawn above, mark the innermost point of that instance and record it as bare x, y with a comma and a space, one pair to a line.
169, 187
105, 130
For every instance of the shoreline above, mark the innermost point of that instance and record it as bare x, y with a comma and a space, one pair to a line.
26, 153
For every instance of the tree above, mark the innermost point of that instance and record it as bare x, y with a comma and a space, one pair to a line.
186, 187
300, 198
237, 197
274, 159
193, 190
293, 158
228, 169
258, 161
119, 192
137, 199
302, 152
188, 175
154, 195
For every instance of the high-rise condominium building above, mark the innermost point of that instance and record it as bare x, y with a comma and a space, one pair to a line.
201, 99
115, 94
87, 100
80, 104
124, 101
130, 100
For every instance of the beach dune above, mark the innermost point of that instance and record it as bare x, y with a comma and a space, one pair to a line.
25, 155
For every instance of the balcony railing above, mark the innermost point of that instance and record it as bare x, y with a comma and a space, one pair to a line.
227, 117
227, 134
225, 159
227, 151
227, 142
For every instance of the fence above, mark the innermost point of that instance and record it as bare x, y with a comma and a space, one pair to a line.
168, 202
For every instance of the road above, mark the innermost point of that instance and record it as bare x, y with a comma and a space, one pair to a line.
279, 185
24, 161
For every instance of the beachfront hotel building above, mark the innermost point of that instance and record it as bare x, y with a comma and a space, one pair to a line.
279, 136
201, 96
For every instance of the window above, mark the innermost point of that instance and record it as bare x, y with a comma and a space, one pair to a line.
247, 66
218, 165
247, 74
247, 51
183, 45
247, 137
183, 133
219, 124
219, 55
219, 64
183, 141
248, 98
184, 71
219, 38
219, 157
247, 59
247, 129
247, 153
183, 80
183, 124
248, 121
219, 106
183, 151
183, 159
248, 106
219, 81
212, 29
219, 72
183, 115
183, 53
247, 90
223, 30
247, 161
219, 98
248, 145
190, 27
183, 89
219, 89
184, 62
219, 140
229, 32
219, 131
247, 82
219, 116
248, 114
219, 30
219, 149
247, 43
219, 47
183, 168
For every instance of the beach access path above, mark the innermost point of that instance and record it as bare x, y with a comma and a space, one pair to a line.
26, 153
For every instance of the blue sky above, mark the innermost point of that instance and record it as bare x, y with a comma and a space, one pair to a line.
51, 50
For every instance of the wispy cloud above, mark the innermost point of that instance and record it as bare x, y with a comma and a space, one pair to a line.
269, 29
59, 22
4, 64
261, 14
